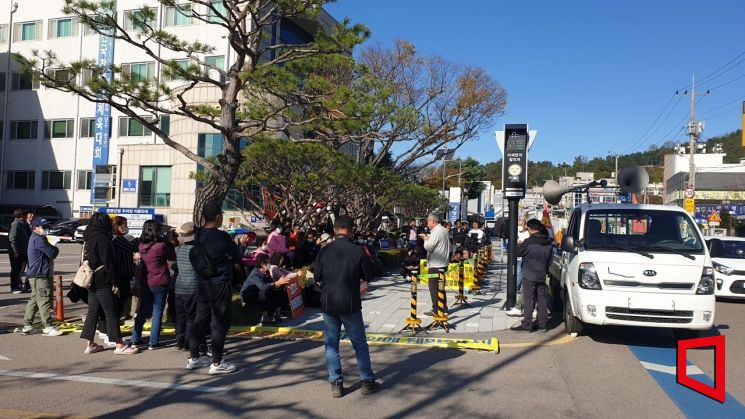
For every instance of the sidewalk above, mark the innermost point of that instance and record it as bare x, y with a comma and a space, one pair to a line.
386, 306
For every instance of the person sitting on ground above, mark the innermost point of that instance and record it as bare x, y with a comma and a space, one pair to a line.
277, 269
260, 288
466, 255
457, 257
262, 248
410, 264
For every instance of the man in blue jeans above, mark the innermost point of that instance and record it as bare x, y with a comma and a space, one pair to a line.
341, 265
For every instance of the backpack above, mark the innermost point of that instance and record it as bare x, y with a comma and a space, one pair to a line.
200, 260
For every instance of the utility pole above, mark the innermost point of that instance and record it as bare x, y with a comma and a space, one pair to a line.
693, 131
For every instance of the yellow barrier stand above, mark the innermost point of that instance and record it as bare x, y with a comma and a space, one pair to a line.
441, 319
461, 297
412, 322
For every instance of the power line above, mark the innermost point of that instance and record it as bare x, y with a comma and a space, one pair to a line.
667, 116
726, 83
644, 134
713, 75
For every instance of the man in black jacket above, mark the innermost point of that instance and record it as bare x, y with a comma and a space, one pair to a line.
18, 238
341, 265
536, 253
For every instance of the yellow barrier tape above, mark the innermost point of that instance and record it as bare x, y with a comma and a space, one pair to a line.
288, 333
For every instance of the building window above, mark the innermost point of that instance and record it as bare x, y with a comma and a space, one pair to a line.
4, 33
23, 130
56, 179
183, 65
25, 81
85, 180
165, 124
579, 198
130, 127
88, 127
140, 71
137, 19
21, 179
60, 128
61, 75
27, 31
214, 63
63, 28
218, 6
178, 15
155, 186
86, 76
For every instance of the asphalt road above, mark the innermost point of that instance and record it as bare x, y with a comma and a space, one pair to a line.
599, 375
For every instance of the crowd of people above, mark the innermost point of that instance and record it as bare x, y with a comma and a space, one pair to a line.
188, 275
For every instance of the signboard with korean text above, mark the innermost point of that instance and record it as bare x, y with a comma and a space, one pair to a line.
102, 122
136, 217
295, 296
514, 166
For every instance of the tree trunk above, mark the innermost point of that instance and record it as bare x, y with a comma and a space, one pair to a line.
215, 190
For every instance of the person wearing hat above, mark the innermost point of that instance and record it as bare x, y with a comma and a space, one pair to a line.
186, 286
41, 255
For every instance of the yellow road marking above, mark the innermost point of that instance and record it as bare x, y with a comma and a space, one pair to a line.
558, 341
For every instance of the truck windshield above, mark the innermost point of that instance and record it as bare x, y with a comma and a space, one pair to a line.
652, 230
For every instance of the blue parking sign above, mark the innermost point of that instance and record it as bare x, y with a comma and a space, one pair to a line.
129, 185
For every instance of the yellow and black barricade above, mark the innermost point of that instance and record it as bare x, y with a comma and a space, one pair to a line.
412, 322
461, 297
440, 320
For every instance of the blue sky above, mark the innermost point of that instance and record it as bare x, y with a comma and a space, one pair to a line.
591, 76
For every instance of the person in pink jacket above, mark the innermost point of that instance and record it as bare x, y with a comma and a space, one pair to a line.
277, 242
261, 249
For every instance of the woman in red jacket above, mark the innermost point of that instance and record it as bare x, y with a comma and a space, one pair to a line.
155, 254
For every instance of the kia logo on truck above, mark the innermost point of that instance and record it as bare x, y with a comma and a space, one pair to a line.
650, 272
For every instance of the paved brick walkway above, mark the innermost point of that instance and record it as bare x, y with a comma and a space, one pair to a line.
386, 306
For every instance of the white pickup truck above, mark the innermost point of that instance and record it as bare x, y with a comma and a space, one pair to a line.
635, 265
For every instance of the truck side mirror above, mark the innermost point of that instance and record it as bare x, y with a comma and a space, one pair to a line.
568, 245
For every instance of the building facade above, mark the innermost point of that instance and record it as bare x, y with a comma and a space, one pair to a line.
48, 135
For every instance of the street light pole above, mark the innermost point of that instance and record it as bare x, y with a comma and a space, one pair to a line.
13, 9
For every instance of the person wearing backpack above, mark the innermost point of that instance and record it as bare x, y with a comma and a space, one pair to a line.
212, 257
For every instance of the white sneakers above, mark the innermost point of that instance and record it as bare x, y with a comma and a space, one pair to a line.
223, 368
202, 361
51, 331
514, 312
48, 331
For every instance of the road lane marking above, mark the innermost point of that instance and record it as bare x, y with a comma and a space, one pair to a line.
691, 403
671, 369
112, 381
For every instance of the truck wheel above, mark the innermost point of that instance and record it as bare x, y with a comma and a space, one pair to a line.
681, 334
571, 323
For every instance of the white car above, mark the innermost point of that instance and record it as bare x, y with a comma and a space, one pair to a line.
78, 236
728, 257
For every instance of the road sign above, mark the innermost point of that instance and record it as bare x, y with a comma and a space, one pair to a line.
714, 219
690, 193
689, 204
129, 185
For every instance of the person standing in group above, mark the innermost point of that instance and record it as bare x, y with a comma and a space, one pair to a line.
437, 245
98, 250
476, 236
124, 251
41, 256
536, 254
155, 255
186, 287
412, 235
28, 229
460, 234
214, 293
18, 238
341, 265
277, 242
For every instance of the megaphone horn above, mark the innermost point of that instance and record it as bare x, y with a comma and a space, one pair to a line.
632, 179
552, 191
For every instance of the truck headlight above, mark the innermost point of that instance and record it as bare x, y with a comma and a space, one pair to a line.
722, 269
588, 277
706, 284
